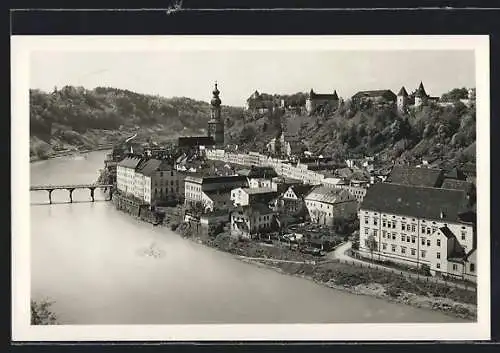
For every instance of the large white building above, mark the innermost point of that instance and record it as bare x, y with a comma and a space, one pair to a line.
149, 180
419, 225
324, 204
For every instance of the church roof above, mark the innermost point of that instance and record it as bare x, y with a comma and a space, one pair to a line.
421, 91
402, 92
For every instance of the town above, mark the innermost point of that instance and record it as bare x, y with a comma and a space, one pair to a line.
418, 219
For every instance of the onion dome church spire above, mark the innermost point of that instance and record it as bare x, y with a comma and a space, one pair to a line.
215, 124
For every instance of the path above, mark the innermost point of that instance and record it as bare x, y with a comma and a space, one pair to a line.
340, 254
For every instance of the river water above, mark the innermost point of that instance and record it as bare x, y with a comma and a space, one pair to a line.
90, 259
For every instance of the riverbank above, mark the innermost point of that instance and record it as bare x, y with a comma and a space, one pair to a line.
344, 276
60, 154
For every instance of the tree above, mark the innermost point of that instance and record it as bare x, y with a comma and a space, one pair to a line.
41, 313
371, 243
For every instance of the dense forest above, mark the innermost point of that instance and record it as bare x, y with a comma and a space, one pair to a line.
77, 117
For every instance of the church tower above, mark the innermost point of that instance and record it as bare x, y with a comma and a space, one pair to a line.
215, 124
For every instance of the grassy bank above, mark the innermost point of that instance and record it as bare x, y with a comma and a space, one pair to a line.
452, 301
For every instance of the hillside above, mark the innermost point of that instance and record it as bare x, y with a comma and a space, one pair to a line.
74, 117
448, 133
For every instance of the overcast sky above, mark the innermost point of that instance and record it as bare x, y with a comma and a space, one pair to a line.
240, 73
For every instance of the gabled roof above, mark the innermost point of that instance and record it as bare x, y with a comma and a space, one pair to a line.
402, 92
415, 176
447, 232
149, 167
302, 190
329, 195
421, 202
130, 162
258, 172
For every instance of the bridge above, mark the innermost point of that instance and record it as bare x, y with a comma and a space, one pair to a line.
72, 187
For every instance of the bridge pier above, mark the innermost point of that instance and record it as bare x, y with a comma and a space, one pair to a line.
92, 193
50, 195
71, 194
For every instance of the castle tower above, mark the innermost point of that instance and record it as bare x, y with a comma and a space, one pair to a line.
215, 124
420, 96
310, 106
402, 100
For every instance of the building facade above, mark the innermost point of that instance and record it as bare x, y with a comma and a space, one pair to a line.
249, 196
417, 226
315, 101
248, 221
324, 204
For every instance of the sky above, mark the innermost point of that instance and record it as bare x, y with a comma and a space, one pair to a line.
239, 73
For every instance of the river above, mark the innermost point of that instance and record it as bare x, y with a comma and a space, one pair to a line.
89, 259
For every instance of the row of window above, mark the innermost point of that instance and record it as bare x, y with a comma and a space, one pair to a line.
413, 251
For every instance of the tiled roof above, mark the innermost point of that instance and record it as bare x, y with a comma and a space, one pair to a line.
149, 167
415, 176
421, 202
301, 190
329, 195
457, 185
130, 162
447, 232
259, 208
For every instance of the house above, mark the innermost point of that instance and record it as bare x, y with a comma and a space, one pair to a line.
248, 196
416, 176
294, 198
214, 218
248, 221
288, 145
316, 101
195, 143
333, 182
125, 174
324, 204
213, 192
259, 176
404, 223
377, 97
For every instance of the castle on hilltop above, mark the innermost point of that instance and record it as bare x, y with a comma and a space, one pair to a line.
316, 100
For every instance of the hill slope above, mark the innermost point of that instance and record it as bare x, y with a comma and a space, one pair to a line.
76, 117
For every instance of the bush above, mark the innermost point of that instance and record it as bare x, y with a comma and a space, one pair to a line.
41, 313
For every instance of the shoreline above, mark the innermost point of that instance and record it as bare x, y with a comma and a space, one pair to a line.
55, 155
444, 305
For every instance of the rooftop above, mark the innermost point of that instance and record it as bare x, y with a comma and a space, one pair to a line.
328, 195
415, 176
375, 93
130, 162
256, 191
421, 202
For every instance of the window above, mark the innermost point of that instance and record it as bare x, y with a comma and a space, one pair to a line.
366, 231
393, 248
428, 230
384, 246
393, 236
423, 230
383, 233
403, 238
393, 224
408, 238
455, 267
375, 221
413, 240
413, 251
438, 265
438, 242
428, 242
374, 231
403, 226
366, 220
434, 230
422, 253
423, 241
403, 250
472, 267
384, 223
438, 255
463, 234
413, 227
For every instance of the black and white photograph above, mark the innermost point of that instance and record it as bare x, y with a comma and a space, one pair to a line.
243, 187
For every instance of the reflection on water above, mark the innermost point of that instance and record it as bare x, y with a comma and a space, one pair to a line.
101, 266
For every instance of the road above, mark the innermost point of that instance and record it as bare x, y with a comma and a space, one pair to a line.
340, 254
